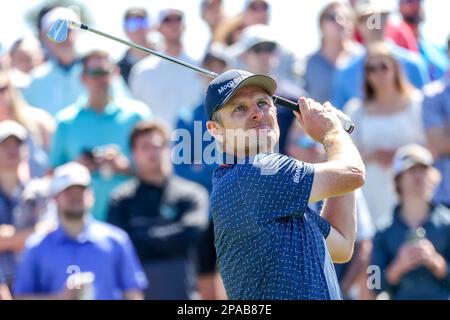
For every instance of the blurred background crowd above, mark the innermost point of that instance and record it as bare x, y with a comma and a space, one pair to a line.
93, 205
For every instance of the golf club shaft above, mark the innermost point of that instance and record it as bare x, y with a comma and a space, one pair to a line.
345, 120
147, 50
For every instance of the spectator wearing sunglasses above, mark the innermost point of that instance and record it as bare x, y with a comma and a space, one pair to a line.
337, 48
257, 12
413, 15
138, 28
212, 12
163, 85
57, 83
371, 21
94, 130
396, 31
388, 117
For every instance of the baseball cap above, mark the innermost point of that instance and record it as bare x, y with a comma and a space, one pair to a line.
10, 128
70, 174
222, 88
57, 13
251, 36
409, 156
368, 7
165, 12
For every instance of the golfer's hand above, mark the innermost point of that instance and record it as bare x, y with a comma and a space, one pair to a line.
318, 120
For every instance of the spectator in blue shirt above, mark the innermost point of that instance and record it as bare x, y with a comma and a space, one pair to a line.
95, 131
348, 81
56, 83
80, 245
436, 120
269, 244
413, 252
337, 49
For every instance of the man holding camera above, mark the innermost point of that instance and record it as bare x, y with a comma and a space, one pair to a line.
413, 251
94, 131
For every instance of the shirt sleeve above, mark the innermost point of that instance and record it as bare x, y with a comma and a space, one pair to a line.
130, 273
26, 278
323, 225
433, 113
58, 154
278, 185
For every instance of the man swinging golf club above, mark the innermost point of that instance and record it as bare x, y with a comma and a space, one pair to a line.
269, 244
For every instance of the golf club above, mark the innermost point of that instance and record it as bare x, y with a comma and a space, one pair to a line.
59, 30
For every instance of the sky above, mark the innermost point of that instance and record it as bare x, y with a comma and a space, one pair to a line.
294, 21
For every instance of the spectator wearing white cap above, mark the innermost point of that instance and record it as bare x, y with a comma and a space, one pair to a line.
57, 83
259, 52
102, 256
161, 84
413, 251
12, 237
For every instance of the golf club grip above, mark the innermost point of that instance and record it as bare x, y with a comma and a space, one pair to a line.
347, 123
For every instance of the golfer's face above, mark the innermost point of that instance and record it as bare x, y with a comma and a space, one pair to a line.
250, 121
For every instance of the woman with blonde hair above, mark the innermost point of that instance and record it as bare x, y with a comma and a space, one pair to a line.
39, 124
387, 118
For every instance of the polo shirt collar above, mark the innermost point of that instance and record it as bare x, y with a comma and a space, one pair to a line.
87, 235
110, 109
399, 218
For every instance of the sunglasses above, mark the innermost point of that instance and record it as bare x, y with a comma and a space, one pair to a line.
98, 72
265, 47
383, 66
175, 18
259, 6
3, 89
137, 23
334, 17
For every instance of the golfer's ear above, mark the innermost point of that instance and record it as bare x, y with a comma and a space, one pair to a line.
215, 130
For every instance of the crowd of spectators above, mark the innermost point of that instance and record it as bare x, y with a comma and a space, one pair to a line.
105, 166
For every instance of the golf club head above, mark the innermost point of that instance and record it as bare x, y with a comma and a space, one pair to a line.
58, 31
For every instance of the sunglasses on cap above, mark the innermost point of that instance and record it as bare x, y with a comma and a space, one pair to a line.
258, 5
265, 47
172, 18
334, 17
137, 23
383, 66
98, 72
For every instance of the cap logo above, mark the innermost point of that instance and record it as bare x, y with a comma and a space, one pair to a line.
232, 83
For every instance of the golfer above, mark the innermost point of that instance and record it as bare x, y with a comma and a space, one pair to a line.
269, 244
